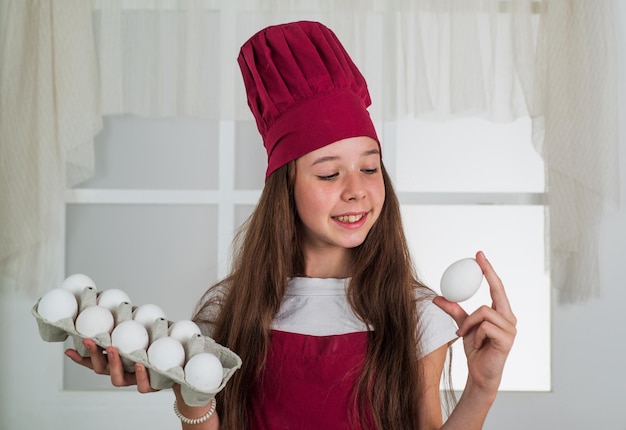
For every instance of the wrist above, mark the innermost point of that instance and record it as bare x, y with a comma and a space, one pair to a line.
483, 393
194, 415
189, 413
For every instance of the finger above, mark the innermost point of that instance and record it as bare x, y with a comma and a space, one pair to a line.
143, 379
498, 338
119, 378
99, 362
451, 308
78, 359
485, 314
496, 288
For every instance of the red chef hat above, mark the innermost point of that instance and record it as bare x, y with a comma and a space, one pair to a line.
303, 90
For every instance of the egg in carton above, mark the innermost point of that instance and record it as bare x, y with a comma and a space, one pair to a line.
59, 331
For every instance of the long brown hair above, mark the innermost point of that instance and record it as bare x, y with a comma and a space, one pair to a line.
382, 292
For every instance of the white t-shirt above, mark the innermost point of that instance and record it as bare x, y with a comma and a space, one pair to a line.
319, 307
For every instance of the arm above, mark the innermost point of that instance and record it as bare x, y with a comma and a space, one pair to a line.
488, 336
111, 364
429, 408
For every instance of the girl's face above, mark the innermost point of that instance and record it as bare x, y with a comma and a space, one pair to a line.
339, 193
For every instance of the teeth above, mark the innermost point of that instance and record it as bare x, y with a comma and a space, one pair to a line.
350, 218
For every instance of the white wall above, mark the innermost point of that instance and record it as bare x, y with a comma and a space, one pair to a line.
589, 376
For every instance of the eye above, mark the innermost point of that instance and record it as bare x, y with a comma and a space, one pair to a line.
370, 171
327, 177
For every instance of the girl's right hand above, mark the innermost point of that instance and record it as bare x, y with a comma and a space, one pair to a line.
110, 363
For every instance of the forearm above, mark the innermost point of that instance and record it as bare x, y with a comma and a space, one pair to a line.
471, 411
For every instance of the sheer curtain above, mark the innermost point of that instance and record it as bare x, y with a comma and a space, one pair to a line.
574, 110
498, 59
49, 114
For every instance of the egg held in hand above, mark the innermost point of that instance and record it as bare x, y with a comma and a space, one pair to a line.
461, 280
204, 371
165, 353
129, 336
57, 304
94, 320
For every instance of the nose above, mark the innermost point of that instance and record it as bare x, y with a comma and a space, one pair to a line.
354, 188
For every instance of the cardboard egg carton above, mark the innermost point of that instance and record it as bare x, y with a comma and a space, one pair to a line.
59, 331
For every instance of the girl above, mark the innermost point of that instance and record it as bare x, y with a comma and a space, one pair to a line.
322, 303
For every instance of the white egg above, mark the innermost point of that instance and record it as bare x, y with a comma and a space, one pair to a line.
461, 280
129, 336
147, 314
57, 304
165, 353
94, 320
112, 298
204, 371
183, 330
76, 283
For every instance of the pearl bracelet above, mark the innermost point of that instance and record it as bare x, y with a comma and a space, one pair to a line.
199, 420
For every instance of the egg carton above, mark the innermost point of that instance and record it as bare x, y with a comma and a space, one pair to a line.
59, 331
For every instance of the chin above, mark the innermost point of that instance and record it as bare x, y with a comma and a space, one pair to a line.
351, 244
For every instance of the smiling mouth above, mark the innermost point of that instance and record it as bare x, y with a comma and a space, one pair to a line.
349, 218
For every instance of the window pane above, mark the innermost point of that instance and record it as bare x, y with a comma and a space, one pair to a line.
467, 155
242, 212
141, 153
512, 239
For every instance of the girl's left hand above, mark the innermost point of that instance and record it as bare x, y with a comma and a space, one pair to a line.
488, 333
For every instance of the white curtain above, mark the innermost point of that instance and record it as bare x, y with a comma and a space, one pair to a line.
158, 58
49, 114
498, 59
575, 119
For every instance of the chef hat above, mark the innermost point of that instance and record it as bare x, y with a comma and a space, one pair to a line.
303, 90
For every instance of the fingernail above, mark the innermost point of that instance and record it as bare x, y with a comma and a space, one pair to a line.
458, 332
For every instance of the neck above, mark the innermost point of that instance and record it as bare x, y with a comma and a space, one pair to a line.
327, 262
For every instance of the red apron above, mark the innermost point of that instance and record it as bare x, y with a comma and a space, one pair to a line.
308, 382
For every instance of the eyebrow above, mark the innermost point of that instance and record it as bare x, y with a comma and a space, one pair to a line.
333, 158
